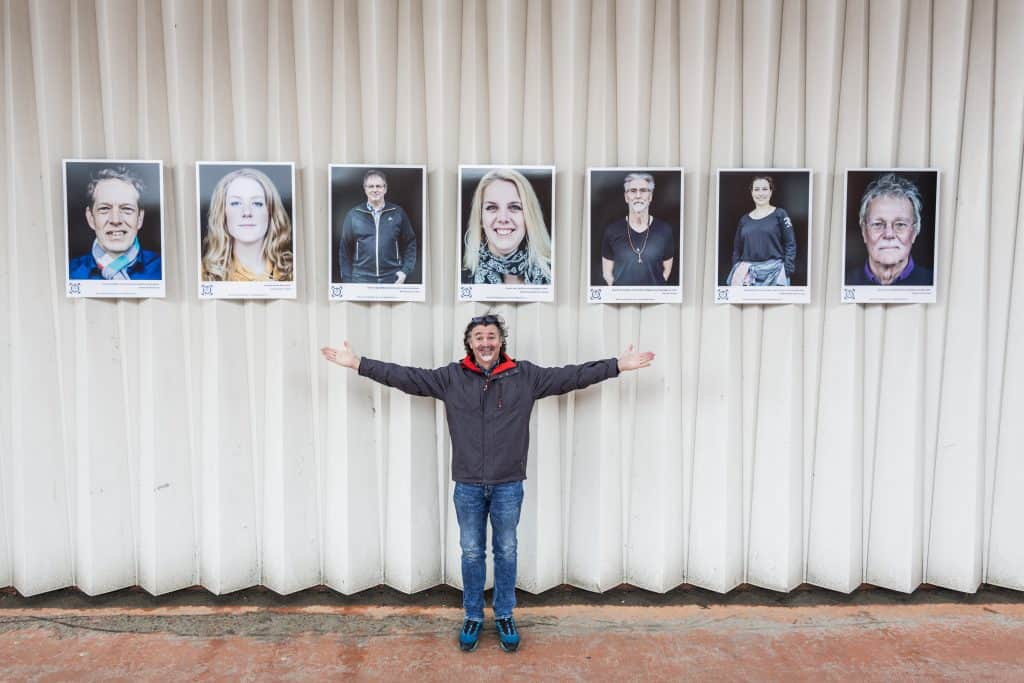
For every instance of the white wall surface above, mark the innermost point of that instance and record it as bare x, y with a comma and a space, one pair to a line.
167, 443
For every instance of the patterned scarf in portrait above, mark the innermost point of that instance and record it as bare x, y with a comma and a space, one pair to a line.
491, 269
115, 267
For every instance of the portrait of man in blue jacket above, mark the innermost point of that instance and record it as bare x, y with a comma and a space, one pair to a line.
488, 398
114, 214
378, 244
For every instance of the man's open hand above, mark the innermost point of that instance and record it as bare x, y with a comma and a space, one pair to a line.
344, 356
634, 360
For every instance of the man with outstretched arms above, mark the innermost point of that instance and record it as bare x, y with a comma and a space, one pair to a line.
488, 398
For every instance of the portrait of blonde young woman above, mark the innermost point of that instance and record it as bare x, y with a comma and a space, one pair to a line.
506, 240
248, 235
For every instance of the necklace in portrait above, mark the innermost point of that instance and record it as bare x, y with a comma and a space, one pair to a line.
647, 235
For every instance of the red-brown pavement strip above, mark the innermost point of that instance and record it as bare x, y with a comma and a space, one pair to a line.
969, 642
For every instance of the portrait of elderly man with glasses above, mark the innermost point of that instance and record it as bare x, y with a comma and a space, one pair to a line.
488, 398
890, 223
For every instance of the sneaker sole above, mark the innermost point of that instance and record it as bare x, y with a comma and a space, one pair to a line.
468, 648
509, 647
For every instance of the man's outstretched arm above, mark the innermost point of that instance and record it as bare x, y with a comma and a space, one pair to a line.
415, 381
553, 381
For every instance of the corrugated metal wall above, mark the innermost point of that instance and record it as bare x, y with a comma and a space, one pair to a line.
170, 442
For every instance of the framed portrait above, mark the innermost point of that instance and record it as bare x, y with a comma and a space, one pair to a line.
506, 248
635, 238
890, 250
764, 237
245, 217
378, 238
113, 228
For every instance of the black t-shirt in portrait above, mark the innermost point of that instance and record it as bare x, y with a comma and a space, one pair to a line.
655, 245
762, 239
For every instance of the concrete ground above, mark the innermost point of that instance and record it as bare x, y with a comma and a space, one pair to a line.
568, 634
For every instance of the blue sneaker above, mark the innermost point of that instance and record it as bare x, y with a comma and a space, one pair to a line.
469, 636
508, 634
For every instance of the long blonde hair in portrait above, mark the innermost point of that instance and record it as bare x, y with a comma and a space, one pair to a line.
538, 241
277, 243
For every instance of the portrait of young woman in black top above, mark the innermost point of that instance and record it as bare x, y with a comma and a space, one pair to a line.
764, 241
764, 247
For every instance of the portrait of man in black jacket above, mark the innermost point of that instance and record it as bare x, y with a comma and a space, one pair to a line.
378, 244
488, 398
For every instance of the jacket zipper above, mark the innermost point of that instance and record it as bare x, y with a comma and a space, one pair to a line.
376, 250
483, 430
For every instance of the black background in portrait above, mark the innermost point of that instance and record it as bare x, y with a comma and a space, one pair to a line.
540, 179
80, 235
210, 175
923, 250
608, 204
792, 192
405, 188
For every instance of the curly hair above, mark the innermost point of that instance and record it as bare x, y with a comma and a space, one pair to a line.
486, 319
277, 243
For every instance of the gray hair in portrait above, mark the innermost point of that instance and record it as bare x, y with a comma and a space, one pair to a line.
374, 172
119, 173
646, 177
892, 185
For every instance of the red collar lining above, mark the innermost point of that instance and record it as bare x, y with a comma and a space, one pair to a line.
506, 363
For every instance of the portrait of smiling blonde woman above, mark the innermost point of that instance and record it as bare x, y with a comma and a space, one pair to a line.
249, 234
507, 241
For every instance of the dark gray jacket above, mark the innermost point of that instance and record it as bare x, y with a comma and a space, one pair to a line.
367, 251
489, 417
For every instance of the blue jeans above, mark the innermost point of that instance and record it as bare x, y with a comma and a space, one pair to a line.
473, 504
